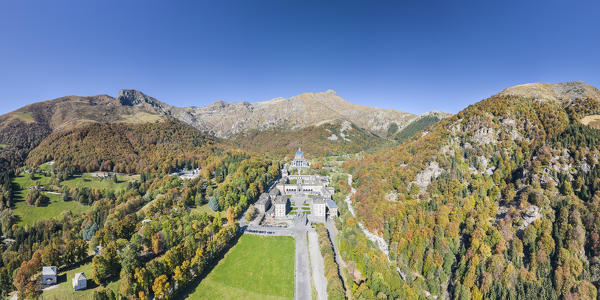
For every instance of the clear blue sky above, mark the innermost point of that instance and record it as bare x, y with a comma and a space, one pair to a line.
413, 56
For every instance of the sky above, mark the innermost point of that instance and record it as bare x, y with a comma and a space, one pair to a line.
413, 56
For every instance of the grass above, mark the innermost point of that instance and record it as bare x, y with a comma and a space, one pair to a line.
64, 290
24, 116
30, 214
86, 180
204, 208
257, 267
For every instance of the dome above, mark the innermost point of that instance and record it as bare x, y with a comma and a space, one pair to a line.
299, 153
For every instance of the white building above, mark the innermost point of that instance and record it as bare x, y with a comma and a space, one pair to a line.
299, 161
318, 208
264, 203
49, 275
79, 281
281, 204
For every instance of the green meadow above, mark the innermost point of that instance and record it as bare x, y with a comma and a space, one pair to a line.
257, 267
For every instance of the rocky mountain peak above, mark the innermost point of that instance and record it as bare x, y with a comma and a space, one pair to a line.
133, 97
129, 97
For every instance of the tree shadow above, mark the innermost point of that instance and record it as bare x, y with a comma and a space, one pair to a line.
186, 291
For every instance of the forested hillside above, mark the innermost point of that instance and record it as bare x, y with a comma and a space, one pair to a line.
158, 234
161, 146
338, 137
498, 201
23, 129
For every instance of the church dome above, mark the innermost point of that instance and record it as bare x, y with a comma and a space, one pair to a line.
299, 154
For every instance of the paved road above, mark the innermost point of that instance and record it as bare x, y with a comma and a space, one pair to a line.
303, 290
316, 262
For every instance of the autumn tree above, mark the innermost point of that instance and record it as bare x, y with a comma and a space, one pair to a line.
161, 287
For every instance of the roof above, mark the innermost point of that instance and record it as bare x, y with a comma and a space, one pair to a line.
51, 270
331, 204
318, 200
280, 200
79, 276
264, 197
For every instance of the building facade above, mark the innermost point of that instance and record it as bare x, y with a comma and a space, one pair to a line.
49, 275
79, 282
299, 161
282, 205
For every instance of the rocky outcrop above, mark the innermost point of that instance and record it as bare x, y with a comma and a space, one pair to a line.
139, 99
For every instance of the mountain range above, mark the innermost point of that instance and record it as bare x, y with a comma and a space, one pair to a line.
322, 122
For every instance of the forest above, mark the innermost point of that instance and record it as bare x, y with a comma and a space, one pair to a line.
149, 237
498, 201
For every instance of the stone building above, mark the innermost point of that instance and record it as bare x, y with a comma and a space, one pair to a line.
299, 161
282, 205
264, 203
49, 275
332, 209
318, 208
79, 282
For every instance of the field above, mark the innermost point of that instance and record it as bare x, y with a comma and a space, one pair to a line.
64, 290
257, 267
86, 180
30, 214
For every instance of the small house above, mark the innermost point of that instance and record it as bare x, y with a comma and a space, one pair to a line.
49, 275
79, 281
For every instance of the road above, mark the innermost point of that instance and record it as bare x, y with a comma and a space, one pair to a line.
303, 291
316, 262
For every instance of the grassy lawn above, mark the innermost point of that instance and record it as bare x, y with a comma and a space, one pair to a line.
30, 214
86, 180
204, 208
257, 267
64, 290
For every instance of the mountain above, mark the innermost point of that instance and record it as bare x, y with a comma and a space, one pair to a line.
23, 129
225, 119
561, 92
321, 122
501, 200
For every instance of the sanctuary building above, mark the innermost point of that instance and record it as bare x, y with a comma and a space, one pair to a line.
294, 195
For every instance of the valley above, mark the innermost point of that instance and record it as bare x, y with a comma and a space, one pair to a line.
493, 202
